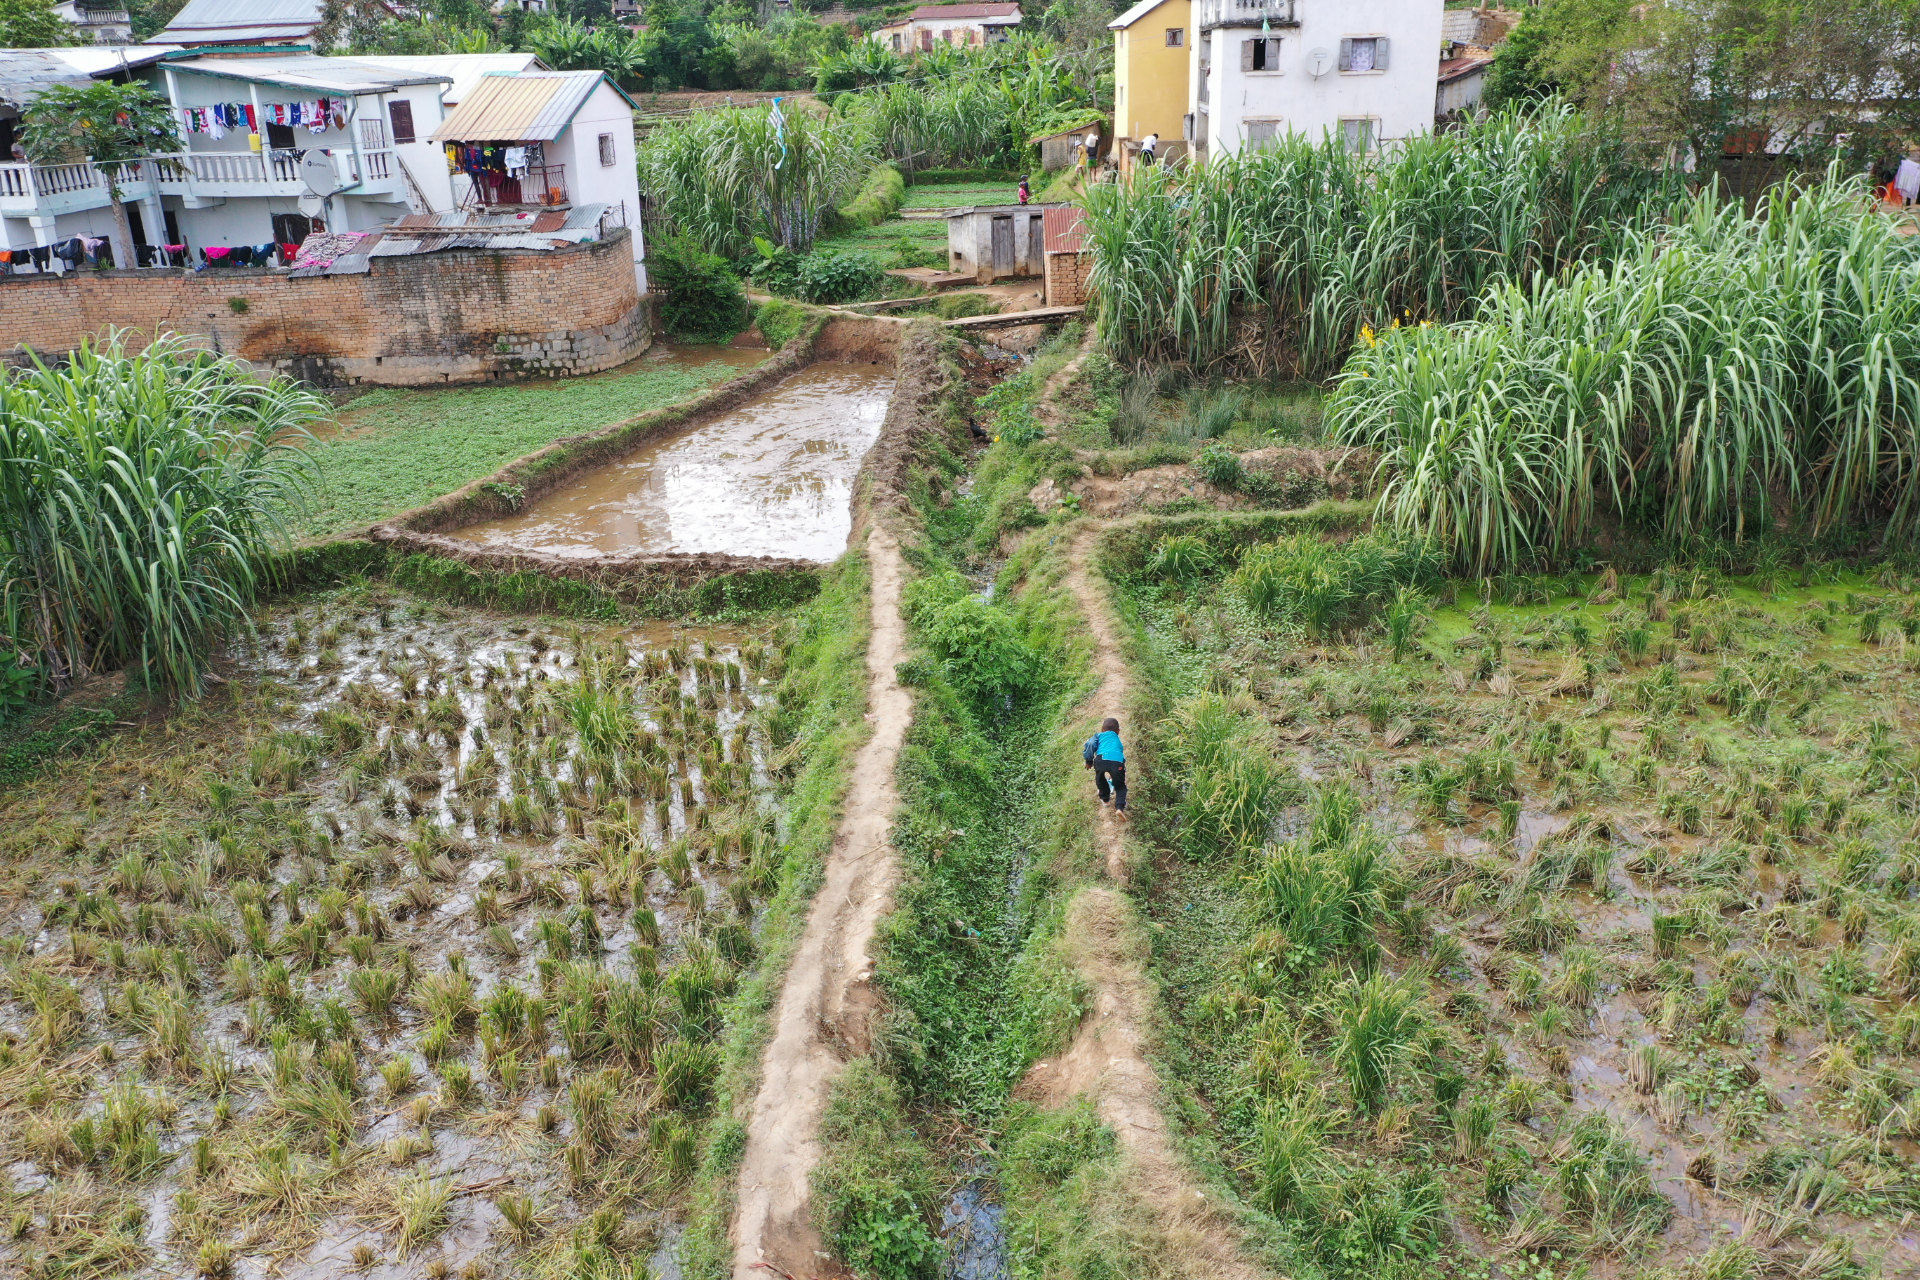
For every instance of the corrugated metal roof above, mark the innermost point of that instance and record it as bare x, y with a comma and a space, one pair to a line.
24, 73
241, 21
467, 69
1065, 232
1134, 14
105, 59
532, 106
306, 71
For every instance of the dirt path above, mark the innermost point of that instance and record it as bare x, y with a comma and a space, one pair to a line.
821, 1018
1107, 1059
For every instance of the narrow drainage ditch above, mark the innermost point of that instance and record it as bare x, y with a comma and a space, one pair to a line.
773, 477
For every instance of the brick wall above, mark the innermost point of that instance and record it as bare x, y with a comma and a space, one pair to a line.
457, 316
1067, 279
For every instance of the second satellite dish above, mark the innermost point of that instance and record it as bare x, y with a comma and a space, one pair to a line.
316, 170
1319, 62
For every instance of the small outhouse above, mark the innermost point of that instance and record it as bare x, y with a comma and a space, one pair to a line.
995, 241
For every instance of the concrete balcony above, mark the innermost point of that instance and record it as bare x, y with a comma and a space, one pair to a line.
48, 190
1247, 13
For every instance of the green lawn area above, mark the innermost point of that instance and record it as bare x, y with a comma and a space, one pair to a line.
397, 448
954, 197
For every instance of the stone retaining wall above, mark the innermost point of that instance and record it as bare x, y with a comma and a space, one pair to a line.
453, 316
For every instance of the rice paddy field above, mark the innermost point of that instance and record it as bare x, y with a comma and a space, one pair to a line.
1554, 926
399, 954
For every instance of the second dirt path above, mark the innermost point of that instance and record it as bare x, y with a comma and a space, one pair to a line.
1107, 1059
821, 1017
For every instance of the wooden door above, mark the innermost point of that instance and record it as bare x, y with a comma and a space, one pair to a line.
1003, 246
1036, 245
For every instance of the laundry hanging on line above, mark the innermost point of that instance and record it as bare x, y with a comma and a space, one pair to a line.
217, 120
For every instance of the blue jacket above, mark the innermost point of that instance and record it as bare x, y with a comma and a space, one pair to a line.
1106, 746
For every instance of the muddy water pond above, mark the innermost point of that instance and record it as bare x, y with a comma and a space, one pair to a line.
771, 478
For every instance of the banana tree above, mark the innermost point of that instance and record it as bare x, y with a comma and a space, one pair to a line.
109, 124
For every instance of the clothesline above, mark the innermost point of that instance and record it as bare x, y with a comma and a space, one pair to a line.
221, 117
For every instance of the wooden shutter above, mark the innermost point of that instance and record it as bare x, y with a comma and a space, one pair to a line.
400, 113
1346, 55
1273, 54
1380, 53
1246, 55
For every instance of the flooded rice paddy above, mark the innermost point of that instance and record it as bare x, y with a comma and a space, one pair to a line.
401, 956
771, 478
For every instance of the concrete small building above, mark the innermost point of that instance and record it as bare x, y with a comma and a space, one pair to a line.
996, 241
964, 25
1463, 82
1150, 67
1063, 148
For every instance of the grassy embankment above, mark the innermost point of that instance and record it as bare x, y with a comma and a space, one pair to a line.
397, 448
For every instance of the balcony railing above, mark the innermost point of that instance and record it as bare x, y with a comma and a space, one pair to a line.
276, 173
1246, 13
542, 184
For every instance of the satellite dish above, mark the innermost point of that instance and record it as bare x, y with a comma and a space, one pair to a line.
312, 206
316, 170
1319, 62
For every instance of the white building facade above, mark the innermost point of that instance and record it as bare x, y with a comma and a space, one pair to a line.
259, 132
1364, 71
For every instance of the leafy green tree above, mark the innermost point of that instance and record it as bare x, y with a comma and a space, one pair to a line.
1562, 47
109, 124
33, 24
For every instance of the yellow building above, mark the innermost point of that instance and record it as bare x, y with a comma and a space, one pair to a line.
1150, 78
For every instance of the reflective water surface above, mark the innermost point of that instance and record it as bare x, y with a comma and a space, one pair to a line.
773, 477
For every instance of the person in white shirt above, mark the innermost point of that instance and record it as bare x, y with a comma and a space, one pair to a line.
1907, 178
1147, 146
1093, 148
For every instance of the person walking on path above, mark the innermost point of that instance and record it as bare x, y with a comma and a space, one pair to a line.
1108, 760
1025, 191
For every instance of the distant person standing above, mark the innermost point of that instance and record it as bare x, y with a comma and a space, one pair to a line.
1093, 147
1147, 146
1907, 178
1025, 194
1108, 759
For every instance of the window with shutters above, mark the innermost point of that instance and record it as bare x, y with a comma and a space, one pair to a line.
607, 156
1356, 135
1176, 37
1260, 55
1359, 54
1262, 134
400, 115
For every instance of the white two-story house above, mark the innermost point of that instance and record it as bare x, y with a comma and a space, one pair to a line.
1364, 71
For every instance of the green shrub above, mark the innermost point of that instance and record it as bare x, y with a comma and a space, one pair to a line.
832, 276
978, 646
1219, 465
874, 1193
780, 322
879, 196
1332, 587
958, 306
703, 298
